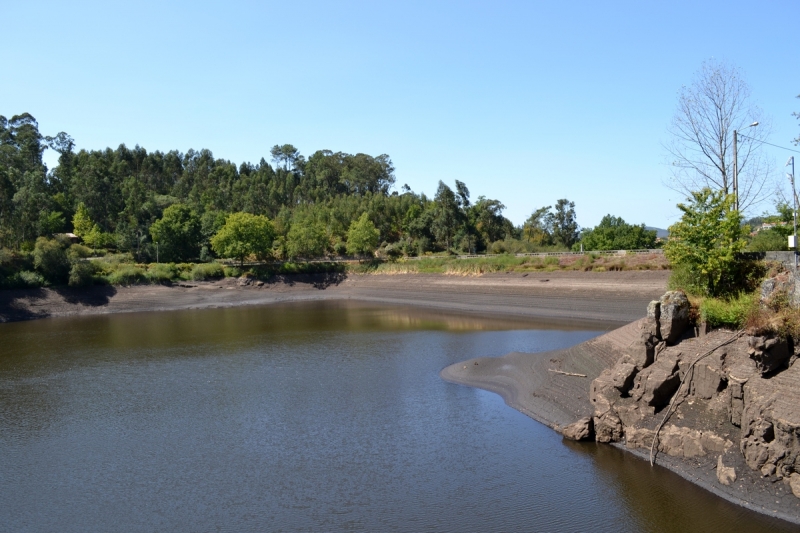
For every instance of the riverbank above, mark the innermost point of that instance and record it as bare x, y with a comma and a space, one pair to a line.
553, 388
607, 299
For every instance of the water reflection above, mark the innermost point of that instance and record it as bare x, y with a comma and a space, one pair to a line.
302, 417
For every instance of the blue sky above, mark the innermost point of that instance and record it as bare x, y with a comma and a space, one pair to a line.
526, 102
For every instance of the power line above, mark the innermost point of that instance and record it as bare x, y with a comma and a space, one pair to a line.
765, 142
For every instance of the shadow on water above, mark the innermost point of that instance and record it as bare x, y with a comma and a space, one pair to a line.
652, 494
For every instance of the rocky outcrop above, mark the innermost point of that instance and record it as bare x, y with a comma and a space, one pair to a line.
783, 286
674, 316
583, 429
704, 394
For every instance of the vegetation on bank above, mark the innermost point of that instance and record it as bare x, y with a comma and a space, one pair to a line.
193, 207
57, 262
723, 287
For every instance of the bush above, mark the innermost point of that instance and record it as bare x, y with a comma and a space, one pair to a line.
78, 251
126, 275
51, 260
25, 279
732, 312
81, 274
161, 272
206, 271
232, 272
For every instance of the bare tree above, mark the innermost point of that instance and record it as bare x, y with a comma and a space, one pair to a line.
701, 146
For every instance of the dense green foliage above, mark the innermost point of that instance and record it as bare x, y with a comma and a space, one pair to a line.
362, 237
244, 235
703, 244
127, 200
613, 233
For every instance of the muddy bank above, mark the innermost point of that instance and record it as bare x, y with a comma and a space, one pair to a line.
605, 298
596, 381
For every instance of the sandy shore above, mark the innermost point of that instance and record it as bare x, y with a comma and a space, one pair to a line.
608, 298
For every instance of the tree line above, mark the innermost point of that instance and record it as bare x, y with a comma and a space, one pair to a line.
175, 205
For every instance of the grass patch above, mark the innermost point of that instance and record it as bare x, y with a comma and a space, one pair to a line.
126, 275
205, 271
733, 312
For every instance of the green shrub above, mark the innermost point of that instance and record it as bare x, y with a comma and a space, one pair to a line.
161, 272
683, 278
81, 273
126, 275
732, 312
204, 271
232, 272
51, 260
78, 251
25, 279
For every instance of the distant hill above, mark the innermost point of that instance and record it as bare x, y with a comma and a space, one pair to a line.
662, 233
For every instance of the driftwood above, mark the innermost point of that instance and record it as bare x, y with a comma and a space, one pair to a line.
567, 373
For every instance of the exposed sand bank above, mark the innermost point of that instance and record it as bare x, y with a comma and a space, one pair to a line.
608, 298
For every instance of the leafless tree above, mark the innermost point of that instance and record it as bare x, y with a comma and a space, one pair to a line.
700, 149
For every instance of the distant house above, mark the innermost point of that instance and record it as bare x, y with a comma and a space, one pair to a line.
71, 236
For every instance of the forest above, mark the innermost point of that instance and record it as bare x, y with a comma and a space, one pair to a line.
169, 207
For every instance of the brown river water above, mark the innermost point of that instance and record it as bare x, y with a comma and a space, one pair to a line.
316, 416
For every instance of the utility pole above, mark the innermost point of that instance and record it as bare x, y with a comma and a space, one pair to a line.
793, 243
736, 166
735, 171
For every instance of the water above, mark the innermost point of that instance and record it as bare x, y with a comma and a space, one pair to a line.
304, 417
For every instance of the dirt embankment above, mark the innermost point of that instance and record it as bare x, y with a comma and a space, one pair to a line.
607, 297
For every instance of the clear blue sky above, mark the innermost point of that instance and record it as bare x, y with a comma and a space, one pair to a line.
526, 102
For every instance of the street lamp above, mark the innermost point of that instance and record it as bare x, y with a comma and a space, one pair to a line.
793, 238
736, 166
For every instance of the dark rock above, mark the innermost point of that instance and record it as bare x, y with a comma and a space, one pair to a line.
583, 429
769, 353
674, 316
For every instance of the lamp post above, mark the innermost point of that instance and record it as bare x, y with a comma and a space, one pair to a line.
736, 166
793, 240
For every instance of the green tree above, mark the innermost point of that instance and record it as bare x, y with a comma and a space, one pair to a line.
705, 242
362, 237
242, 235
563, 223
177, 233
86, 229
446, 215
306, 238
613, 233
50, 259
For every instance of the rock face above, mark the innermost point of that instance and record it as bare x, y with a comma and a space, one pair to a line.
718, 390
674, 316
784, 285
583, 429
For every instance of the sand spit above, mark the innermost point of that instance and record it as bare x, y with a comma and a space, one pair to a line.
550, 387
